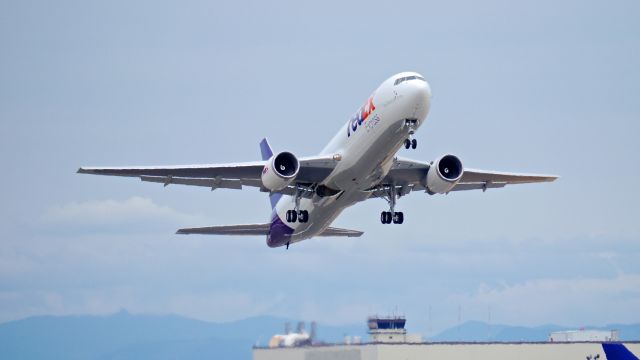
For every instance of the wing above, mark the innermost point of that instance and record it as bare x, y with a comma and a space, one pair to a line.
247, 229
481, 179
409, 175
227, 176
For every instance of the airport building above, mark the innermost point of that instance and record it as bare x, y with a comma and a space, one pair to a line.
388, 340
584, 335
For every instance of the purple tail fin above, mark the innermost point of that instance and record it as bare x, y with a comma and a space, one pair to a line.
265, 149
617, 351
267, 153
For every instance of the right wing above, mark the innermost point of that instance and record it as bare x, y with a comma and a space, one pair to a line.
313, 170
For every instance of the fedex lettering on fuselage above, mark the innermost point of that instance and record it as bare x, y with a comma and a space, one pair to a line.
361, 116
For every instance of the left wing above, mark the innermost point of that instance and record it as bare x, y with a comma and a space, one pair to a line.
410, 175
481, 179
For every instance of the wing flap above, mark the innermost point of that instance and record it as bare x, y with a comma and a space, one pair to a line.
246, 229
214, 183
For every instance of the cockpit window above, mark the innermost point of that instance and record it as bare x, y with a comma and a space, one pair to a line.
407, 78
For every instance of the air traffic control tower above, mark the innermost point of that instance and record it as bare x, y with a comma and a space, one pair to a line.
390, 329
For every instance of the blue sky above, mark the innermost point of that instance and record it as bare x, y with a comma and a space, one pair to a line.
542, 86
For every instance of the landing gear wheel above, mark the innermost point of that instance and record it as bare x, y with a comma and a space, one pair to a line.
386, 217
414, 143
303, 216
398, 217
292, 216
407, 143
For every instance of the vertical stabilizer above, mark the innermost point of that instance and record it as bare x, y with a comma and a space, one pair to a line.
267, 153
265, 149
617, 351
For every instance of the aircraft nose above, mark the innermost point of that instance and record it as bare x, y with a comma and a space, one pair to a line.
419, 93
417, 98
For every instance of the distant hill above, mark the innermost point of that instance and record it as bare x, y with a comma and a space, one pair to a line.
481, 331
126, 336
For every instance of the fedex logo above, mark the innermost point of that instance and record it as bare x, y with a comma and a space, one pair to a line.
361, 116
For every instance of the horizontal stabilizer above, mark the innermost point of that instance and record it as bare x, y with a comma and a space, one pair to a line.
331, 231
259, 229
246, 229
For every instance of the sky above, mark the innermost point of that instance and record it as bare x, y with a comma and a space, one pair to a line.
531, 86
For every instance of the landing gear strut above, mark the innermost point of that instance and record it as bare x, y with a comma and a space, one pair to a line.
410, 142
392, 216
296, 214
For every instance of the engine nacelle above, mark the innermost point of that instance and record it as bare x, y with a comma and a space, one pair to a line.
280, 171
444, 174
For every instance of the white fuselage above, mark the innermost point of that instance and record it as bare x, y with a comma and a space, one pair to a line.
366, 146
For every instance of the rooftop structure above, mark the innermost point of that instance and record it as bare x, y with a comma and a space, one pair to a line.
584, 335
390, 329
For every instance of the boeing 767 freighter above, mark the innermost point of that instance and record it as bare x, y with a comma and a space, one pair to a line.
307, 194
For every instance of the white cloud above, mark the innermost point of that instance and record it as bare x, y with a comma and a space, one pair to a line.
135, 211
562, 301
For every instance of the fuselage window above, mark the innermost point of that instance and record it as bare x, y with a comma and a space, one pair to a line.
407, 78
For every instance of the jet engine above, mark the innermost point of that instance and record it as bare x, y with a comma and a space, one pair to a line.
280, 171
444, 174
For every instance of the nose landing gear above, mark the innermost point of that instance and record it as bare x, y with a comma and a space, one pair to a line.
410, 142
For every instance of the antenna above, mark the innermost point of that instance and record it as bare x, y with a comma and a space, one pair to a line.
459, 320
488, 322
313, 332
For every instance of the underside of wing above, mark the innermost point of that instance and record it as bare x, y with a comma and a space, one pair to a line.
481, 179
247, 170
331, 231
408, 175
246, 229
313, 170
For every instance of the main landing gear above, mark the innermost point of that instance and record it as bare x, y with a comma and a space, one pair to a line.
411, 142
387, 217
300, 216
296, 214
392, 216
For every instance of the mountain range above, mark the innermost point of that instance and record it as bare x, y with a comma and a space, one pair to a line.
126, 336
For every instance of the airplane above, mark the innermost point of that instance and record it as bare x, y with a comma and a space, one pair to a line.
308, 193
617, 351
